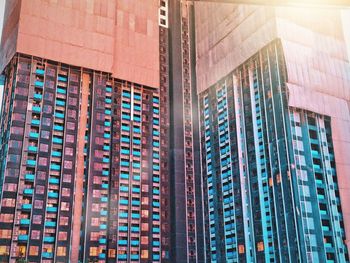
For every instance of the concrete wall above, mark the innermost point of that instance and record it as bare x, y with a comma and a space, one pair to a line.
116, 36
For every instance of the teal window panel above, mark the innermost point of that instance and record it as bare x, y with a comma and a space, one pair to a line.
52, 195
123, 201
57, 140
137, 96
156, 230
137, 153
49, 239
55, 167
60, 102
34, 135
136, 141
155, 100
155, 217
104, 199
35, 122
126, 105
156, 167
123, 228
108, 89
125, 151
105, 172
125, 139
155, 133
104, 186
29, 177
155, 110
156, 191
107, 100
56, 154
156, 144
137, 177
102, 241
106, 135
125, 116
136, 165
134, 243
27, 206
28, 191
126, 94
123, 215
156, 155
22, 237
61, 91
137, 130
31, 163
32, 149
135, 202
134, 257
156, 121
47, 255
54, 181
103, 226
122, 256
124, 188
103, 212
137, 118
59, 115
38, 96
106, 147
156, 257
124, 163
24, 222
135, 190
107, 123
155, 179
155, 243
135, 229
124, 176
50, 224
39, 83
137, 107
108, 112
135, 216
155, 204
39, 71
125, 128
105, 160
58, 127
61, 78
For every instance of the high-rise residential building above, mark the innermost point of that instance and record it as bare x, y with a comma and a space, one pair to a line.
273, 89
84, 132
173, 131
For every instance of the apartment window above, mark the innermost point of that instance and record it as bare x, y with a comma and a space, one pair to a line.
46, 121
18, 117
94, 236
33, 250
67, 178
5, 233
68, 164
6, 218
64, 206
10, 187
70, 138
95, 207
41, 175
73, 101
37, 219
93, 251
62, 235
48, 96
44, 147
36, 234
144, 240
61, 251
40, 189
95, 221
71, 126
45, 134
8, 202
72, 114
47, 109
43, 161
66, 192
64, 220
38, 204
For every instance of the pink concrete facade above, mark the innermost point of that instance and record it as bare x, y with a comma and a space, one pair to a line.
120, 37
